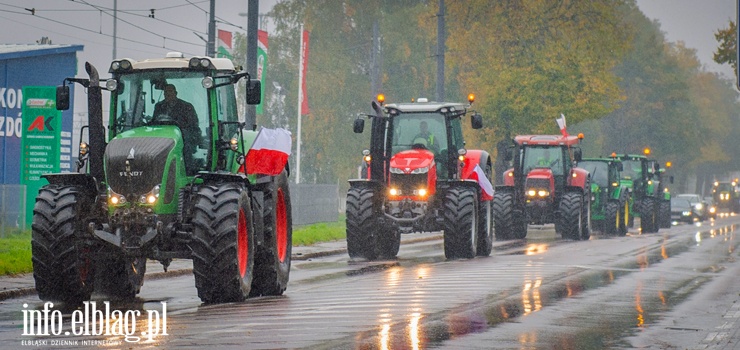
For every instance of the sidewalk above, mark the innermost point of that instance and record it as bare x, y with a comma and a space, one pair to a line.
22, 285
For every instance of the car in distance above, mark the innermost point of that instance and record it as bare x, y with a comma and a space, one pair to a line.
682, 210
699, 206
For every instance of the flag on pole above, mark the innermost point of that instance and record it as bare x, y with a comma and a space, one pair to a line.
224, 48
561, 124
269, 152
261, 64
485, 184
304, 68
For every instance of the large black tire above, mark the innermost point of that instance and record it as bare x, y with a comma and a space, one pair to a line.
612, 218
272, 259
387, 243
223, 243
586, 214
571, 215
485, 228
648, 217
362, 223
503, 215
626, 218
120, 277
664, 213
63, 273
460, 223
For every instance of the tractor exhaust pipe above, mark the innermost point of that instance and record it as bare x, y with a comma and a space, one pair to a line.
95, 121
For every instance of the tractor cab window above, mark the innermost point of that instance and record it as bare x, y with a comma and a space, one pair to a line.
543, 157
632, 170
166, 97
599, 172
226, 110
419, 131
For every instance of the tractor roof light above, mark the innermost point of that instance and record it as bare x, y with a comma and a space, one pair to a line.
580, 136
199, 63
646, 151
668, 164
471, 98
614, 155
120, 65
381, 99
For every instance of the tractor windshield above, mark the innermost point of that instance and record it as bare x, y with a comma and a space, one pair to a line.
139, 93
599, 171
543, 157
419, 131
632, 169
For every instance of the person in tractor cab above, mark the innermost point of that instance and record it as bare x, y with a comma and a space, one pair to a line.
425, 137
184, 116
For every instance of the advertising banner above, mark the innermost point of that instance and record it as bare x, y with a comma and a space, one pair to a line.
261, 64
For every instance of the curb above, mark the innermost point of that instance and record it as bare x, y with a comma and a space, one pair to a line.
22, 292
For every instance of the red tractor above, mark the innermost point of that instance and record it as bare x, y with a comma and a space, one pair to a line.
420, 178
543, 187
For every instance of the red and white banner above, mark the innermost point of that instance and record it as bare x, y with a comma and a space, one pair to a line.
561, 124
485, 184
304, 70
269, 152
223, 47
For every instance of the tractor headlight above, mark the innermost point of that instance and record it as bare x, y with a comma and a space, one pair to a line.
396, 170
538, 192
421, 192
115, 198
420, 170
366, 156
543, 193
394, 192
83, 148
151, 197
233, 144
531, 193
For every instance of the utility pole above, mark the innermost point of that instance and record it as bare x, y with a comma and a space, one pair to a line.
441, 52
211, 45
376, 84
252, 28
115, 25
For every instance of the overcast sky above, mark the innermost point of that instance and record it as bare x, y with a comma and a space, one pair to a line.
179, 25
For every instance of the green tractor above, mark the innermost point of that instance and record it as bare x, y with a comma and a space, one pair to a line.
726, 196
610, 203
160, 188
643, 177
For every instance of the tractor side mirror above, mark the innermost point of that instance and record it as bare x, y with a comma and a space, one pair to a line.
254, 92
358, 126
476, 121
62, 97
578, 154
509, 154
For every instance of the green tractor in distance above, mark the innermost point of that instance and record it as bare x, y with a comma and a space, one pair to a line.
663, 195
161, 189
726, 196
643, 177
610, 204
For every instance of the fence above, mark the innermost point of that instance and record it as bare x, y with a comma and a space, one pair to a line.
314, 203
12, 209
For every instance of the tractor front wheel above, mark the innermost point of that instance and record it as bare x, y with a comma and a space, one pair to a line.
648, 217
61, 271
612, 218
503, 215
664, 213
460, 223
571, 215
362, 223
223, 243
485, 228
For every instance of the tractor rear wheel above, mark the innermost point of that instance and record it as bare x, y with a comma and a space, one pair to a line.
648, 219
612, 218
120, 277
503, 215
362, 223
664, 213
272, 260
223, 243
485, 228
60, 268
460, 223
571, 215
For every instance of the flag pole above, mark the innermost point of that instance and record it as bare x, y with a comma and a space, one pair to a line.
300, 92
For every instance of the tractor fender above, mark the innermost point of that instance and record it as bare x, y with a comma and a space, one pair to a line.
86, 181
366, 183
578, 178
223, 177
508, 178
472, 158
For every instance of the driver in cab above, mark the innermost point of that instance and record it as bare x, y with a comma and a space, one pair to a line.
427, 137
184, 116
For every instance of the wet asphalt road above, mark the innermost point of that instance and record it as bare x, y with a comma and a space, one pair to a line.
670, 290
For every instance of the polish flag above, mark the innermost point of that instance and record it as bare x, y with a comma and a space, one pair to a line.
485, 184
561, 124
269, 152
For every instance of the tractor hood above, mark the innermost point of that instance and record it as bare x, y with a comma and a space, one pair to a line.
136, 159
540, 178
410, 160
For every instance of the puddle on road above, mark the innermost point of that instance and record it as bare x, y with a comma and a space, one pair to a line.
644, 306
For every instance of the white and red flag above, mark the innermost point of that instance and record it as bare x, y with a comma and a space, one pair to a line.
561, 124
269, 152
304, 69
485, 184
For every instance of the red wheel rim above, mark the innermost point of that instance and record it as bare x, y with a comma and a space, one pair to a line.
242, 244
281, 226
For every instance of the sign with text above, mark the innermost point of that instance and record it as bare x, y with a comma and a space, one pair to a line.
41, 141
